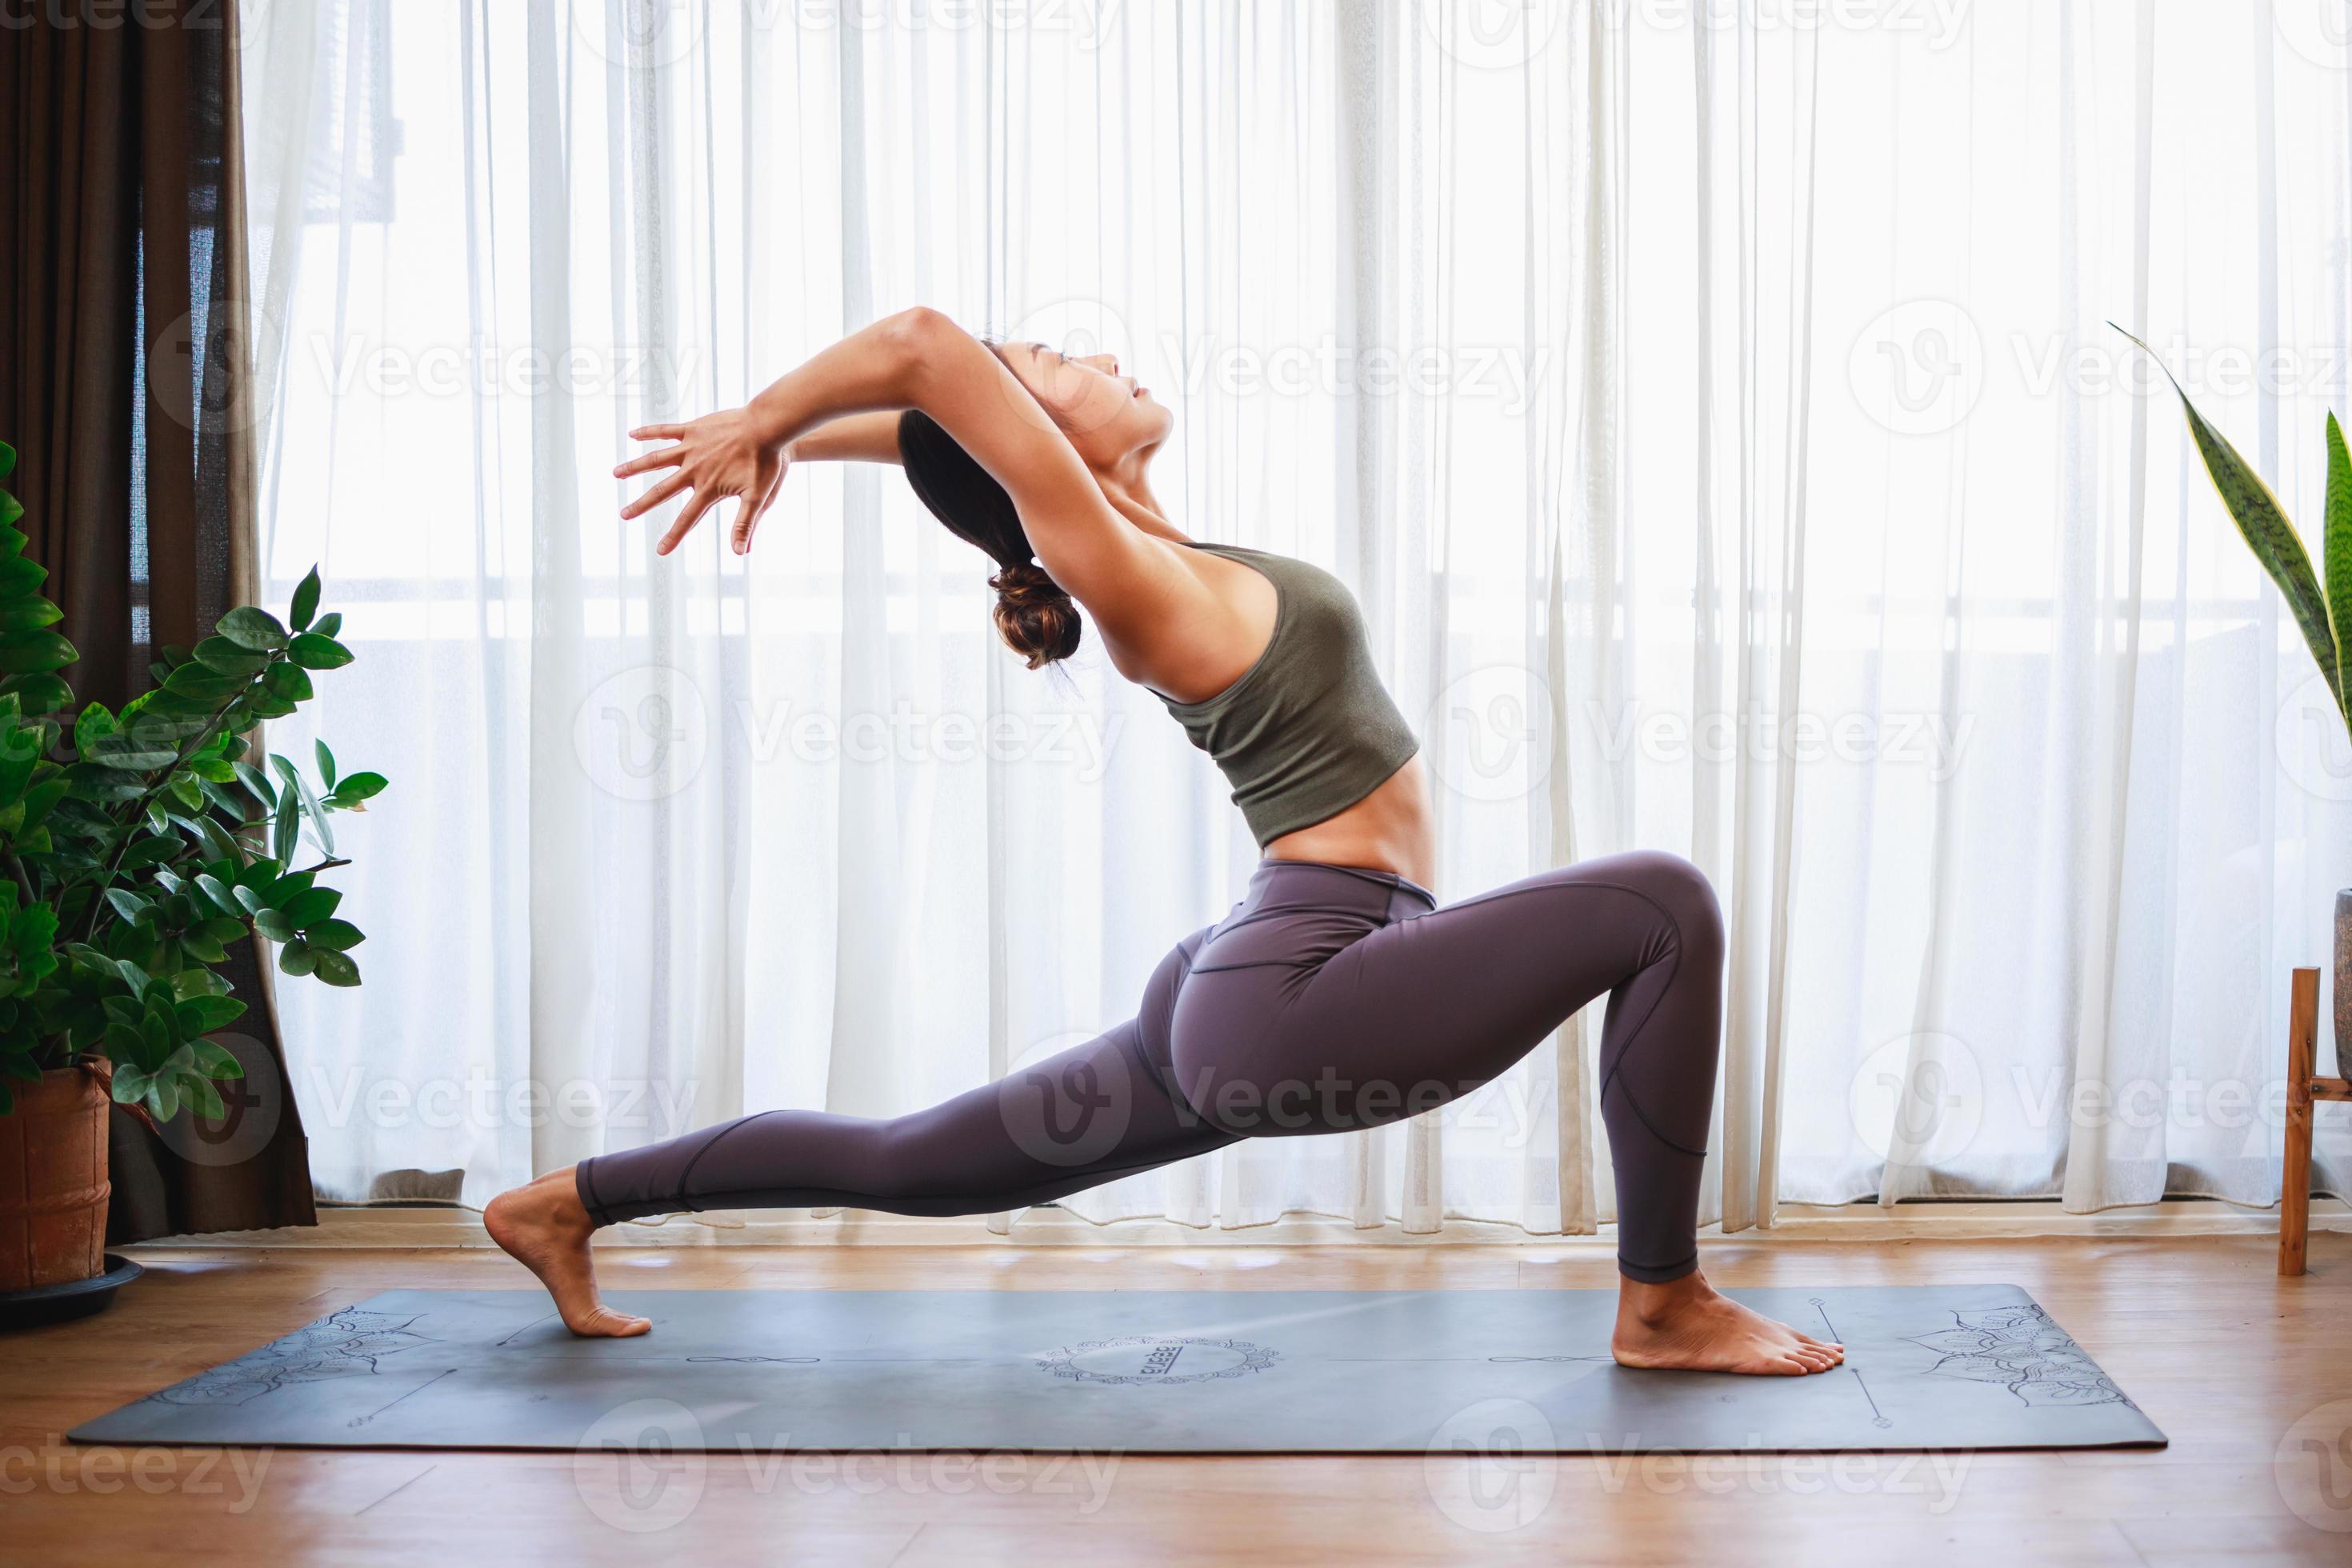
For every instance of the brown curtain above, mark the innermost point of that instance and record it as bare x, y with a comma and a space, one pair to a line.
124, 386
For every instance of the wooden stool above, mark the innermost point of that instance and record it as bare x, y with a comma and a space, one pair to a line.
2301, 1089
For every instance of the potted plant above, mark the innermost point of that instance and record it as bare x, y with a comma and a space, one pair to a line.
134, 847
2324, 613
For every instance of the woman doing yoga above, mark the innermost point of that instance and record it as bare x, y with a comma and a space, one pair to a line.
1336, 995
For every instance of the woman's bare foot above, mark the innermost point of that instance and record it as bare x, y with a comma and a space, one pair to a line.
1687, 1325
543, 1227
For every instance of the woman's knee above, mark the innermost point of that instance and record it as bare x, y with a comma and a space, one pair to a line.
1683, 891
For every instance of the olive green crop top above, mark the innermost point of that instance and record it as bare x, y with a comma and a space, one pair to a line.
1308, 730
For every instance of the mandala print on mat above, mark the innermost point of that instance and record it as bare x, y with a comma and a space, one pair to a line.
344, 1344
2022, 1349
1158, 1360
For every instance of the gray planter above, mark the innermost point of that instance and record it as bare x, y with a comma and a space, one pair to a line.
2343, 980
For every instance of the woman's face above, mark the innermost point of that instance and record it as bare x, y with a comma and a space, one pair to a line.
1108, 417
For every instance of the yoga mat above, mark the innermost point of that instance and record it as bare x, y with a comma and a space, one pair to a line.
1944, 1366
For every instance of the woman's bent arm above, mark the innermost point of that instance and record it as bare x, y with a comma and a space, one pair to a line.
870, 437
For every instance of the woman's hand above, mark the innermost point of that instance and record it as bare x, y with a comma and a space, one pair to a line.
718, 455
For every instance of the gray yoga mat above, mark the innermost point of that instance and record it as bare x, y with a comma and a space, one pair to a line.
1946, 1366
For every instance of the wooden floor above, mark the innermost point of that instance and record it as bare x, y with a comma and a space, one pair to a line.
2223, 1356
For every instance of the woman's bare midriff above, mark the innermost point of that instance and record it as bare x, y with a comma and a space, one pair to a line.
1388, 830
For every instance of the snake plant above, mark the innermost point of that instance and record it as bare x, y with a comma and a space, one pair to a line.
2325, 615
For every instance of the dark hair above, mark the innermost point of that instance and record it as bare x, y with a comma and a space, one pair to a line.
1036, 619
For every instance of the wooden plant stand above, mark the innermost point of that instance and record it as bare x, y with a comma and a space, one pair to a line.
2302, 1088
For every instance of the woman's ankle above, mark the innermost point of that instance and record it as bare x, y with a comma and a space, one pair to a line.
1651, 1304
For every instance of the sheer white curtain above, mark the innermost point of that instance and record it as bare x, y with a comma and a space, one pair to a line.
1697, 399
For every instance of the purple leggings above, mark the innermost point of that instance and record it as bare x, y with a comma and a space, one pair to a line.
1331, 999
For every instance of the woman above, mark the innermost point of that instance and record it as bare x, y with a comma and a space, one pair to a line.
1336, 995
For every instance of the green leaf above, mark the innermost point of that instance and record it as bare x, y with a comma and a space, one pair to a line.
258, 785
330, 625
202, 683
310, 807
28, 613
7, 459
190, 984
203, 1099
257, 629
202, 1016
38, 693
19, 574
306, 600
286, 829
314, 650
273, 924
326, 764
2335, 547
33, 652
308, 908
296, 958
334, 968
336, 936
227, 656
2267, 533
290, 683
218, 892
127, 904
202, 946
358, 788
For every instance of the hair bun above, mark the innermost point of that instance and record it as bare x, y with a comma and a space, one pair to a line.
1037, 618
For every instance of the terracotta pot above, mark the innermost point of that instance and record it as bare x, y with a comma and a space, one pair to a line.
53, 1183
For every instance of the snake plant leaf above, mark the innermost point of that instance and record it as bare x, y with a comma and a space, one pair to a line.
2336, 548
2264, 526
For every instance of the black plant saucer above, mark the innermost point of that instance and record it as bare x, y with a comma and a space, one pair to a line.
74, 1298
